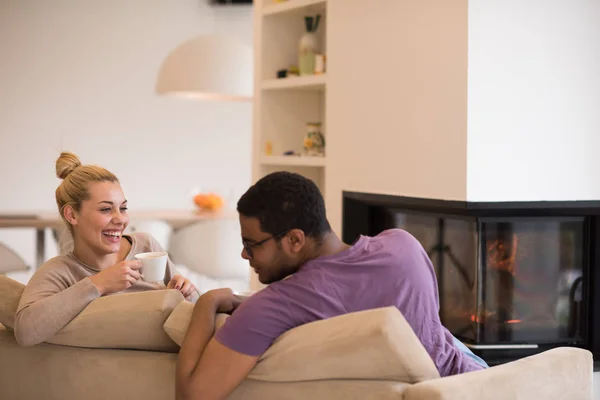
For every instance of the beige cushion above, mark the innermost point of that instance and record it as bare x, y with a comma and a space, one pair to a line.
177, 324
10, 294
331, 389
373, 344
123, 321
560, 373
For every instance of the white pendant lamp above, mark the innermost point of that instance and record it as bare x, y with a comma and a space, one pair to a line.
209, 68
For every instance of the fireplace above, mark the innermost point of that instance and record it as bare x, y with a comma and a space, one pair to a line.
514, 278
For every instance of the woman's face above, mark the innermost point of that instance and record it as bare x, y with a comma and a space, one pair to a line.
100, 222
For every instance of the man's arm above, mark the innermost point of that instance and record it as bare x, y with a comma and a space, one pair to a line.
206, 369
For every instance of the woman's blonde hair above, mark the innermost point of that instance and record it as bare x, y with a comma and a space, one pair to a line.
73, 190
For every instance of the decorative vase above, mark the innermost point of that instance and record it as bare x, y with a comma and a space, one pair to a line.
314, 141
309, 46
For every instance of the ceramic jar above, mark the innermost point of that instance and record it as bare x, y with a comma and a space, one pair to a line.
314, 141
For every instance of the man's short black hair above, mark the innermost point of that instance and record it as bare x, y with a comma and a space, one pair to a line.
282, 201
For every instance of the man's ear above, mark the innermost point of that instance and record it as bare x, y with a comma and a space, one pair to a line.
296, 239
70, 215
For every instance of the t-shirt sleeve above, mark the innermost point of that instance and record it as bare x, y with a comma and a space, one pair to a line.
255, 325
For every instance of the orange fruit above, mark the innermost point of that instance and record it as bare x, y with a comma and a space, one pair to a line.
209, 201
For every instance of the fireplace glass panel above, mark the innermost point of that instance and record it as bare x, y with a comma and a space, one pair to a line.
509, 280
451, 243
531, 280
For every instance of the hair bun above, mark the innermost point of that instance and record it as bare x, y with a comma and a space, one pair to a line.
66, 163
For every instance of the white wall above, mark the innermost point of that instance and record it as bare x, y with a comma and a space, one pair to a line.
396, 99
493, 100
534, 100
79, 76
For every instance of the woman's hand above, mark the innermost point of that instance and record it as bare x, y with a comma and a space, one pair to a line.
182, 284
119, 277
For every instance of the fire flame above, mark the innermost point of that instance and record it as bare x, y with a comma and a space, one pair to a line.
475, 318
501, 255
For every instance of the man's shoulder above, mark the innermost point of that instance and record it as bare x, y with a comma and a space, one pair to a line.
398, 243
270, 295
270, 301
396, 234
394, 238
259, 320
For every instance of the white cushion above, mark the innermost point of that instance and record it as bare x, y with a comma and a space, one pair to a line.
177, 324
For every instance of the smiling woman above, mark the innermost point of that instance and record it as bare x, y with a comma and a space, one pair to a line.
92, 204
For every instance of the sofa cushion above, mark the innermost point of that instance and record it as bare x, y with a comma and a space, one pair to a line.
330, 389
10, 294
177, 324
559, 373
123, 321
372, 344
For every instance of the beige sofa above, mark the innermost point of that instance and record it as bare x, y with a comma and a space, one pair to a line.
124, 347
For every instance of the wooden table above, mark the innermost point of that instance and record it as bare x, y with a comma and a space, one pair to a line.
41, 220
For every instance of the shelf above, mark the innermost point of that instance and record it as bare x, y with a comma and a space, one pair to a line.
310, 82
297, 161
290, 5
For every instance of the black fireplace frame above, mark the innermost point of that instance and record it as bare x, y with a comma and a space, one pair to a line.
369, 214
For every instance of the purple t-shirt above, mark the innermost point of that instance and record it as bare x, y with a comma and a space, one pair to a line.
390, 269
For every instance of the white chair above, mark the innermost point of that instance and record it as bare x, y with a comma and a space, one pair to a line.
12, 265
209, 254
158, 229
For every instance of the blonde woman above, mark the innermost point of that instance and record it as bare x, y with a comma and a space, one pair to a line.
92, 204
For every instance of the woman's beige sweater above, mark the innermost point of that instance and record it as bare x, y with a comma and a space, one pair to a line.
61, 289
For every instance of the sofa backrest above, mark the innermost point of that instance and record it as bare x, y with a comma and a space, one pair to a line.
123, 321
372, 344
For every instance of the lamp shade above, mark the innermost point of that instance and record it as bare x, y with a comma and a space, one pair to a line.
208, 67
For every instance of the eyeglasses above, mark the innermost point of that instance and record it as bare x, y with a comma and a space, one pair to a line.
249, 246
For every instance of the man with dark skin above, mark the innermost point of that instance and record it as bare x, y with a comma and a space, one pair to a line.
311, 275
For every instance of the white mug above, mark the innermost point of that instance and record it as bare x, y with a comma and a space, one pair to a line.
154, 265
